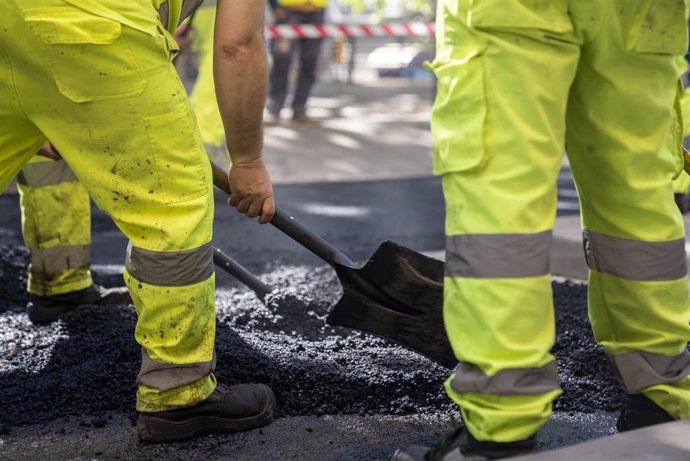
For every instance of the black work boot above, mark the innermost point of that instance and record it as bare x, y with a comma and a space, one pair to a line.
228, 409
640, 411
460, 444
46, 309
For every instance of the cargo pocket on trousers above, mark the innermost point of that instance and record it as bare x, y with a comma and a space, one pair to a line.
180, 159
659, 27
459, 113
550, 15
86, 54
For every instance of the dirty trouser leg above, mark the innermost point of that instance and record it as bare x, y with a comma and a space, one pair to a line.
108, 98
19, 137
639, 304
56, 226
309, 49
498, 137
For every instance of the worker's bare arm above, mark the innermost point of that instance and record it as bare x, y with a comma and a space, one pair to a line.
240, 74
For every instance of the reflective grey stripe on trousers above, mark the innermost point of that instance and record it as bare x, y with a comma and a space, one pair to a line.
52, 261
470, 378
45, 174
170, 269
498, 255
166, 376
638, 370
634, 259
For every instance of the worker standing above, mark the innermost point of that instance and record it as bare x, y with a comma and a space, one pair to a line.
518, 81
283, 50
95, 77
56, 227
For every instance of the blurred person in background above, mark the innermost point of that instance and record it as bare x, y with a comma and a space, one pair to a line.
284, 50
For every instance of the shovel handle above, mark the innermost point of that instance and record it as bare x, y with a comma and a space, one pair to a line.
238, 271
289, 226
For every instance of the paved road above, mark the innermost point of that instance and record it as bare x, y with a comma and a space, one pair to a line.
362, 178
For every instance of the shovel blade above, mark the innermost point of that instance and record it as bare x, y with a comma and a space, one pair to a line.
397, 295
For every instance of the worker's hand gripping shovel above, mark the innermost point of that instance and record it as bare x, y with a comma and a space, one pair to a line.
397, 294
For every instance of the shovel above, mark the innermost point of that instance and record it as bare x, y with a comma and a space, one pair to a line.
238, 271
397, 294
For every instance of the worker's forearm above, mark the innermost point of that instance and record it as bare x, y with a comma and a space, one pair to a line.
240, 74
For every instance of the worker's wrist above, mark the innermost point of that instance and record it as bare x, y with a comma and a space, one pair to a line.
248, 162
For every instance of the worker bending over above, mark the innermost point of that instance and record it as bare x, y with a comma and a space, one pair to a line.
94, 77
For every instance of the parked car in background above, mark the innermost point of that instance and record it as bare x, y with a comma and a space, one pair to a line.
399, 59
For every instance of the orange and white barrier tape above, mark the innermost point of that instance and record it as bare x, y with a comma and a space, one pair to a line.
350, 30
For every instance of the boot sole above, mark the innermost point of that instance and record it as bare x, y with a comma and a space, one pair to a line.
630, 420
38, 315
158, 430
51, 313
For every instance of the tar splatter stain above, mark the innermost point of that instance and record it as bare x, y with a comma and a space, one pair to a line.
85, 365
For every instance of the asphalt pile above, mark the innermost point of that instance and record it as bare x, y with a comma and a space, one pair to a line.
86, 364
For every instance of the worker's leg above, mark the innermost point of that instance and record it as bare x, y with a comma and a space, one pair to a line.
681, 184
130, 137
19, 137
56, 226
203, 96
620, 114
282, 50
498, 129
309, 49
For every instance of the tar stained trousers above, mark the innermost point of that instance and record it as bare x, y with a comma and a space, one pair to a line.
519, 80
108, 98
56, 227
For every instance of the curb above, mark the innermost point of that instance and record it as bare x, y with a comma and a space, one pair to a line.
668, 442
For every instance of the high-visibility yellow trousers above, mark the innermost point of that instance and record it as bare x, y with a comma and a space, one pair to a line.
512, 75
55, 206
101, 87
203, 95
681, 185
56, 226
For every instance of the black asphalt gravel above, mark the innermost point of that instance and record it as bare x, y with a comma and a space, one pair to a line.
313, 368
75, 378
